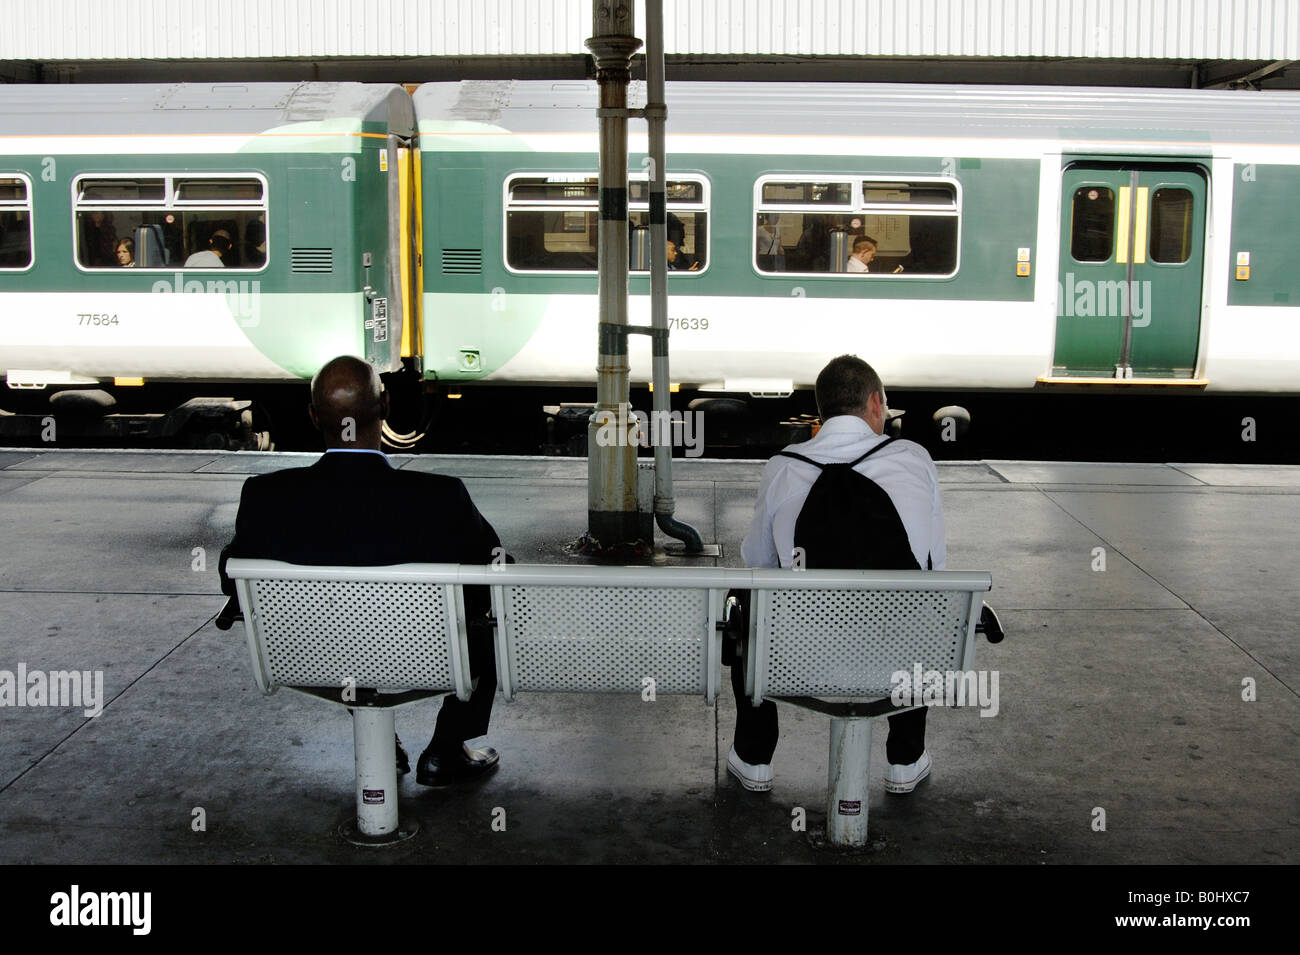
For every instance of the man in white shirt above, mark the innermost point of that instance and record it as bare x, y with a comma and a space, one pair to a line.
864, 250
851, 402
211, 257
770, 250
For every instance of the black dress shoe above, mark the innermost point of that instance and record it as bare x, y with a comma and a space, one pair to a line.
403, 761
458, 766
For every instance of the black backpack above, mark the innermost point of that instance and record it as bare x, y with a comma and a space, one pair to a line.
848, 522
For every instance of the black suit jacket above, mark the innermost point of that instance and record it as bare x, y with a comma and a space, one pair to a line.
355, 509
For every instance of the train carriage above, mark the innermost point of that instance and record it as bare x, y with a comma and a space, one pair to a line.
202, 233
1024, 237
236, 236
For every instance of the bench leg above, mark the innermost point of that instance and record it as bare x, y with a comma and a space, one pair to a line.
372, 734
850, 770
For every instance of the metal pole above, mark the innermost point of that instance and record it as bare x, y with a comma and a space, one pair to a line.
850, 770
611, 451
372, 735
656, 112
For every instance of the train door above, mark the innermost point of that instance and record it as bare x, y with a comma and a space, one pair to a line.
1132, 250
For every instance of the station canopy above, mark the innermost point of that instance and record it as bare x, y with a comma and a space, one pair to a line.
1172, 43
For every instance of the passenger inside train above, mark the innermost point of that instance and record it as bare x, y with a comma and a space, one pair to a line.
864, 250
170, 219
681, 261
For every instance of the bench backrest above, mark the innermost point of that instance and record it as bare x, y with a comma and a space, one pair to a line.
824, 638
398, 627
605, 629
607, 639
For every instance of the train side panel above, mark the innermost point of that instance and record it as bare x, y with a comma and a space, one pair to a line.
301, 205
734, 326
1255, 314
1101, 233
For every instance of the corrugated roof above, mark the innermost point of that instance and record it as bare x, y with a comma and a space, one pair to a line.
53, 30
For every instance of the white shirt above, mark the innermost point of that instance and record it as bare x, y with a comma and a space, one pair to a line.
358, 451
769, 243
903, 470
855, 265
207, 259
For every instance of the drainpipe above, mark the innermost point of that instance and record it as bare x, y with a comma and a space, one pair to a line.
656, 112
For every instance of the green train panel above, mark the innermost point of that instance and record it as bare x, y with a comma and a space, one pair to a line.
197, 232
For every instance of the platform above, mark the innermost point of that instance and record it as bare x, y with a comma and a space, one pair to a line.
1120, 689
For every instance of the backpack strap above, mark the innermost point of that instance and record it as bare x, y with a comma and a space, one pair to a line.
819, 465
800, 457
854, 464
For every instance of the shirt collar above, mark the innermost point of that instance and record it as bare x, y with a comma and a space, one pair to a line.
846, 424
357, 451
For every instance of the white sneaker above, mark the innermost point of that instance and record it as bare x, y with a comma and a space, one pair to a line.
754, 778
903, 779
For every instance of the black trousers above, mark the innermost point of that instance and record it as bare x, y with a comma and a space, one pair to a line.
757, 729
461, 720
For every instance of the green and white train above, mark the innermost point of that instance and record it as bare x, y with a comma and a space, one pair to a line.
1024, 238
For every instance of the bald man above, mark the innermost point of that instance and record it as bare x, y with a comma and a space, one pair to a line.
353, 508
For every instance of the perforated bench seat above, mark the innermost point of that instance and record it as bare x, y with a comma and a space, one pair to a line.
812, 634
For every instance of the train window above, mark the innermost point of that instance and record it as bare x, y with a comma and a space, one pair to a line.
15, 223
1171, 225
121, 190
164, 221
808, 193
221, 190
552, 222
914, 225
638, 191
565, 189
1092, 224
939, 196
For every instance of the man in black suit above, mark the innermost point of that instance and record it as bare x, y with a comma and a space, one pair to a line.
353, 508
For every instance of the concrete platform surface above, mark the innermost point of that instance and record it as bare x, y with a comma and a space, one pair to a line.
1148, 708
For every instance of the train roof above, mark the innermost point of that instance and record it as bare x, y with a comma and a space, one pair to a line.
229, 108
1101, 114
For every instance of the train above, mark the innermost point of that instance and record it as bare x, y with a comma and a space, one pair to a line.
1009, 240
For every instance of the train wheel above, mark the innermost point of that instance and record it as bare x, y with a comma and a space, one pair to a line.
725, 427
261, 434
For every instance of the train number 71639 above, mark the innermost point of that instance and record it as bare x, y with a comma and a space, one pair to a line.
689, 324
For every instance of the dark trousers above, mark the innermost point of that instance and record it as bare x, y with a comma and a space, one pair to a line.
757, 729
461, 720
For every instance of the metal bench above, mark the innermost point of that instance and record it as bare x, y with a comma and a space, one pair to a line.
344, 633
